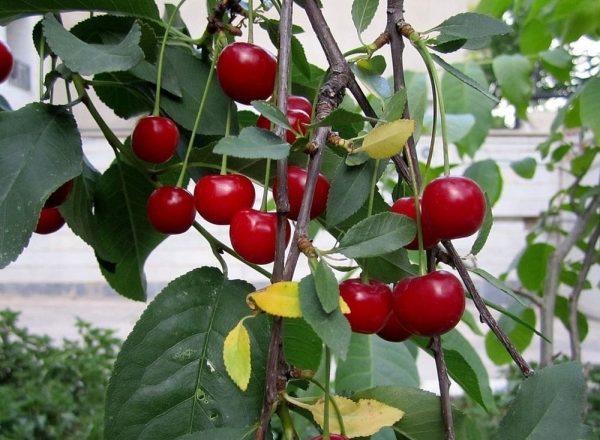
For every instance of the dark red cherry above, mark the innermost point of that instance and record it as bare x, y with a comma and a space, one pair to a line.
219, 197
406, 206
296, 102
370, 304
59, 196
155, 139
253, 235
296, 181
171, 209
50, 221
393, 331
298, 119
246, 72
6, 62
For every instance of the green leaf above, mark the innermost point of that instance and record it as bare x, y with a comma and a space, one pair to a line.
125, 94
457, 126
14, 9
558, 62
534, 37
237, 356
191, 73
221, 434
40, 149
531, 267
272, 113
124, 230
417, 86
363, 12
327, 286
391, 267
340, 116
299, 57
377, 235
549, 404
89, 59
460, 98
372, 362
466, 79
514, 73
422, 416
446, 43
471, 25
494, 8
169, 379
253, 143
561, 311
590, 106
520, 335
394, 106
497, 283
333, 328
374, 82
487, 174
486, 227
525, 167
464, 367
302, 346
350, 188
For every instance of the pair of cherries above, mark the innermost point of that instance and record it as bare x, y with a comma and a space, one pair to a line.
426, 305
451, 207
50, 219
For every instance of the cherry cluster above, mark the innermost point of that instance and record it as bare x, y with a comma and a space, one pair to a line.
246, 72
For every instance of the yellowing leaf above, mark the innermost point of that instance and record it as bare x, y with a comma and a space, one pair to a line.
282, 299
279, 299
236, 355
388, 139
361, 419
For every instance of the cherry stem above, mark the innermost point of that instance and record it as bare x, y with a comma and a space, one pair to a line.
161, 56
327, 396
250, 22
419, 220
227, 130
197, 121
287, 423
373, 187
265, 194
41, 67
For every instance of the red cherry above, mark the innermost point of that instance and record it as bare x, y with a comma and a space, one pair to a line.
171, 209
297, 119
393, 330
332, 437
6, 62
155, 139
454, 207
296, 181
296, 102
253, 235
246, 72
219, 197
406, 206
370, 304
59, 196
50, 221
429, 305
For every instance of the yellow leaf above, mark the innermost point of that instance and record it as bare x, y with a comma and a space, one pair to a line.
236, 355
388, 139
279, 299
344, 307
361, 419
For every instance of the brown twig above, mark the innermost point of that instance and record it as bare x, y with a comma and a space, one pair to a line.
485, 314
588, 261
444, 381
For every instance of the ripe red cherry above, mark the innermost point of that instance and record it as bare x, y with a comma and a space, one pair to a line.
171, 209
296, 181
6, 62
429, 305
246, 72
370, 304
394, 331
155, 139
50, 221
297, 119
219, 197
296, 102
253, 235
454, 207
332, 437
59, 196
406, 206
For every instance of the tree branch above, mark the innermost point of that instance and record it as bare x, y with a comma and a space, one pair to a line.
442, 373
485, 314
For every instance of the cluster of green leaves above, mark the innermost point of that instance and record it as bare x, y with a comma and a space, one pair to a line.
53, 391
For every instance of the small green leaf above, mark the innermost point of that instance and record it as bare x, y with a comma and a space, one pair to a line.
302, 346
525, 168
340, 116
520, 335
446, 43
531, 267
253, 143
89, 59
548, 404
486, 227
333, 328
558, 62
374, 82
487, 174
394, 106
534, 37
125, 94
387, 140
272, 113
497, 283
391, 267
581, 164
561, 311
377, 235
471, 25
514, 73
327, 286
471, 82
363, 12
417, 86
